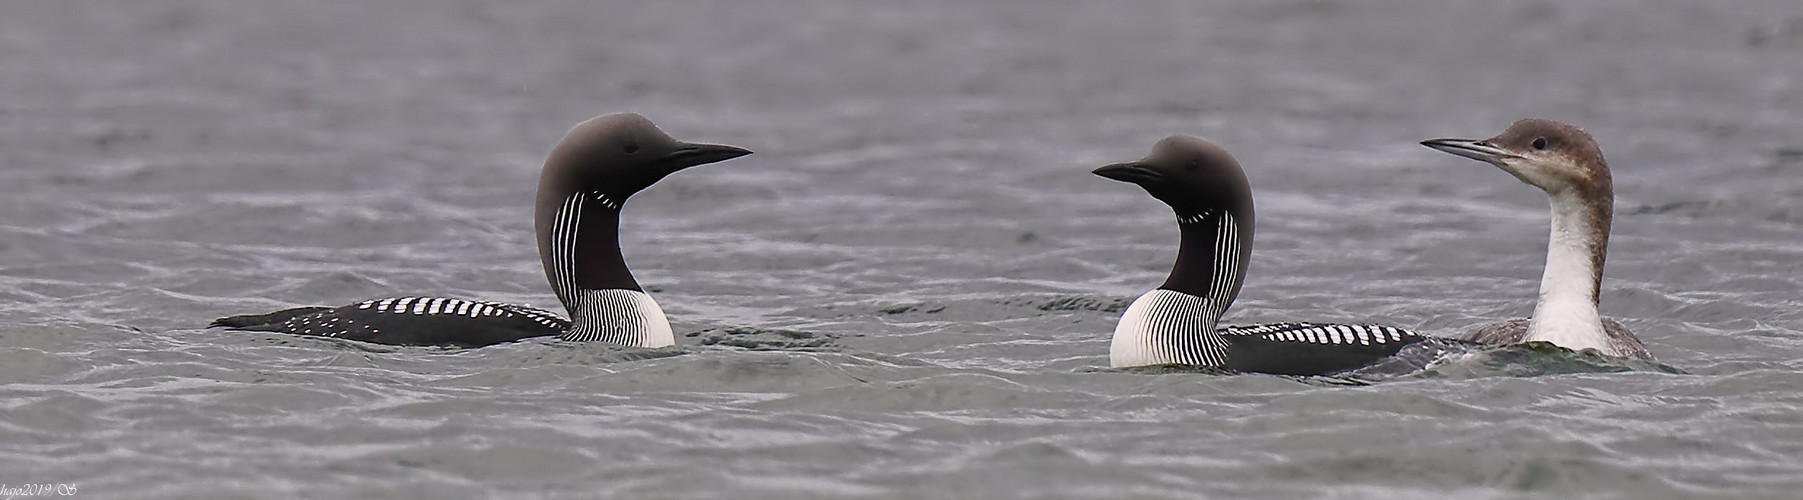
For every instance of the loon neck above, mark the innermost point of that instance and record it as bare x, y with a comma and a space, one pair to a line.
1211, 256
1566, 313
583, 261
584, 250
1168, 327
1175, 324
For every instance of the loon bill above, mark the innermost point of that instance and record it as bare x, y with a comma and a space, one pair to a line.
585, 182
1565, 162
1177, 322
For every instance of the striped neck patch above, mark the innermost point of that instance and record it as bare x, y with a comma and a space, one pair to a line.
625, 317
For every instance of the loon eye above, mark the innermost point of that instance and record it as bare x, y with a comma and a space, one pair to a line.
632, 148
1540, 143
1192, 165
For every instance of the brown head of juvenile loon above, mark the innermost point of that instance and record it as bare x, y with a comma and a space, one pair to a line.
1565, 162
1176, 323
586, 180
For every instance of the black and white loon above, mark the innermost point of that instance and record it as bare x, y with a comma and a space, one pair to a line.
1176, 323
585, 181
1565, 162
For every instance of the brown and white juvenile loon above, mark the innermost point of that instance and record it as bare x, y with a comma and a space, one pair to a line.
585, 182
1176, 323
1565, 162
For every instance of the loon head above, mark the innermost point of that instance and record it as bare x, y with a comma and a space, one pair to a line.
586, 179
1554, 156
620, 154
1207, 189
1193, 175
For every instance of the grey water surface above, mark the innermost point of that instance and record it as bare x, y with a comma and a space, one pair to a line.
908, 291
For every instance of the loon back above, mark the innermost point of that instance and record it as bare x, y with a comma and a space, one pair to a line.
409, 321
1617, 340
624, 317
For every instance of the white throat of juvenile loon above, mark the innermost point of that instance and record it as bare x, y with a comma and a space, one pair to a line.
1566, 313
614, 315
1164, 326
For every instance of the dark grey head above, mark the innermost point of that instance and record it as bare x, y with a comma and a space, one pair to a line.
1191, 174
621, 154
1554, 156
587, 178
1208, 190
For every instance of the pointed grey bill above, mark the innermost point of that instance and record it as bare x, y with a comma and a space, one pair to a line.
692, 154
1131, 171
1473, 149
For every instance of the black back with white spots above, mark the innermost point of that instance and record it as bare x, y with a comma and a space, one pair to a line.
1311, 348
411, 321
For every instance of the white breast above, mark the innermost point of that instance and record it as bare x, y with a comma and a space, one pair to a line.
1166, 327
626, 317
